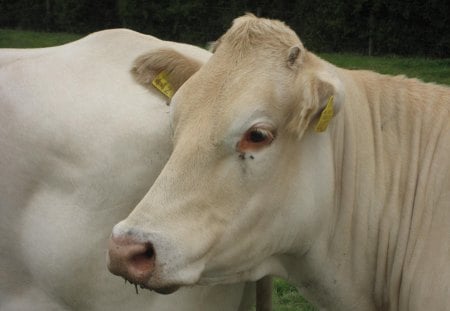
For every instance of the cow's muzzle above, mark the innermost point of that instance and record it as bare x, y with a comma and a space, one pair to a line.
134, 261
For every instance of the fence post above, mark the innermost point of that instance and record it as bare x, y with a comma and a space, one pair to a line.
264, 294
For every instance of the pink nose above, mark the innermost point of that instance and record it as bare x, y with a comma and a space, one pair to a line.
135, 261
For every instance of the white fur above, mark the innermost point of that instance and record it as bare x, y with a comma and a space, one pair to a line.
80, 144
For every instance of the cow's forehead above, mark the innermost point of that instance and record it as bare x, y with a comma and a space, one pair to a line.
219, 98
226, 77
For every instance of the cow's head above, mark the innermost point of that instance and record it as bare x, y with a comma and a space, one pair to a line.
246, 191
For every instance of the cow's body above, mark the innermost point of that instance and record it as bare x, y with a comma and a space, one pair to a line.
357, 216
80, 144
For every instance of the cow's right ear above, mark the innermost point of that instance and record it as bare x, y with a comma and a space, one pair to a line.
176, 67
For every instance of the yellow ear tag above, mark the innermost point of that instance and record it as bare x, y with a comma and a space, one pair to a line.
326, 116
161, 82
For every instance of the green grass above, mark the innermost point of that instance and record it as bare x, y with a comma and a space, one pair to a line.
429, 70
285, 296
30, 39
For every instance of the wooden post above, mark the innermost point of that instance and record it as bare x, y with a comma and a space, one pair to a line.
264, 294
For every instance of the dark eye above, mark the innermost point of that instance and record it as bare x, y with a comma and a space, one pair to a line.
257, 135
255, 138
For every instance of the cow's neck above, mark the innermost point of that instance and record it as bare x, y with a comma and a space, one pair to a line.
338, 270
360, 196
360, 261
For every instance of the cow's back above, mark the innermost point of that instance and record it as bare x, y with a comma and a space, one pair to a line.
80, 144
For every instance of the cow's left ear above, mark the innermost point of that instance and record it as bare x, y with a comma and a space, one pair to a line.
166, 65
320, 96
330, 98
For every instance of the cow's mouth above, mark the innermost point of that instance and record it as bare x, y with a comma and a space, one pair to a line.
160, 290
166, 290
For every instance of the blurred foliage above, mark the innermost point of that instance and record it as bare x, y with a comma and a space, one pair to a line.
286, 298
411, 27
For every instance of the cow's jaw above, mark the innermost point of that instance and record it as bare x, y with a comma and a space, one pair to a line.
274, 265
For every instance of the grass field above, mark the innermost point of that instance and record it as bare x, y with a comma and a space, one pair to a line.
429, 70
30, 39
285, 296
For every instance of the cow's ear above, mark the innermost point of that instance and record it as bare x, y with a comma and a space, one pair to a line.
320, 97
213, 45
173, 66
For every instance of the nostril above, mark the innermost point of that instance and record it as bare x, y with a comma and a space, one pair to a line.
144, 261
131, 259
150, 252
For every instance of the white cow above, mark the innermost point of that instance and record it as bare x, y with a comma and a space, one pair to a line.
81, 142
268, 177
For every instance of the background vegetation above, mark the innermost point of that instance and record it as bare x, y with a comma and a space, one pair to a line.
375, 27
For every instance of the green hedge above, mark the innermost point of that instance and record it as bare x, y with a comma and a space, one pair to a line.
400, 27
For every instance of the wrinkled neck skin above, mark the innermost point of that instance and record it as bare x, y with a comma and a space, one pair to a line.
337, 272
380, 243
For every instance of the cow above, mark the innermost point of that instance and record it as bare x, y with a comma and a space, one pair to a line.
284, 164
81, 142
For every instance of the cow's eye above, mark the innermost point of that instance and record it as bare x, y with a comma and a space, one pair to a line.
255, 138
258, 136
